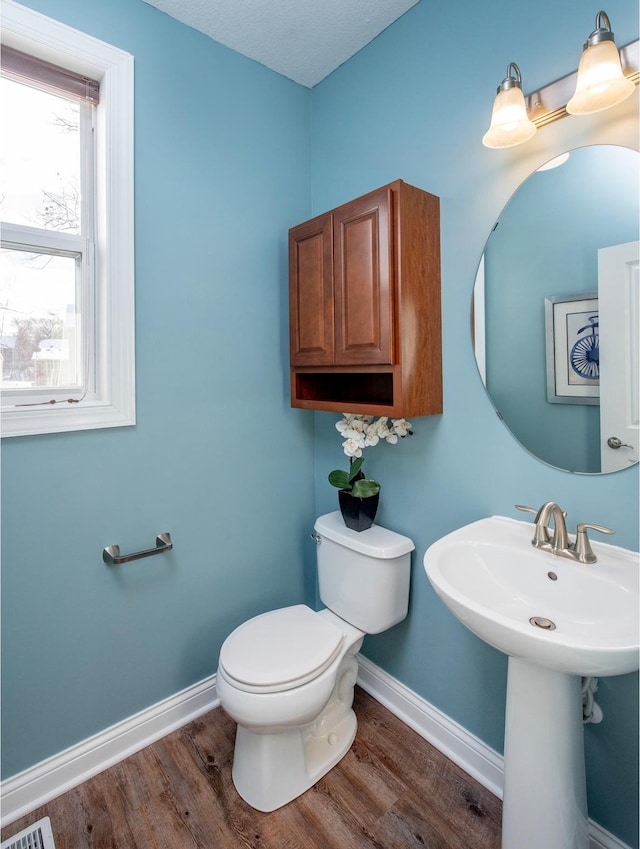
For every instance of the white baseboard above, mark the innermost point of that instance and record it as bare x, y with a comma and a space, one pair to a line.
26, 791
39, 784
463, 748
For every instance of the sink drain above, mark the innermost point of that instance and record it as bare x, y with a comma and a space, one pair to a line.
543, 622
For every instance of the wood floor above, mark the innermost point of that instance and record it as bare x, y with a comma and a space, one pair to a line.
391, 791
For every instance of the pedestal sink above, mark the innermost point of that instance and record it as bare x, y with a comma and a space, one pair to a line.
557, 620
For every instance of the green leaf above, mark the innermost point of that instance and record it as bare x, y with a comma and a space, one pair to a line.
365, 488
354, 468
340, 479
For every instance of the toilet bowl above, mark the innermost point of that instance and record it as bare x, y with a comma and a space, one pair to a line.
287, 677
289, 674
290, 732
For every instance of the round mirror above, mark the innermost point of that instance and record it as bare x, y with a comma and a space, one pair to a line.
555, 311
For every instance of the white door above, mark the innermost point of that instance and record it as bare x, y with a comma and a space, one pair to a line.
619, 305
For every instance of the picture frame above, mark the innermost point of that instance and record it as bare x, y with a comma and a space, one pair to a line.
572, 349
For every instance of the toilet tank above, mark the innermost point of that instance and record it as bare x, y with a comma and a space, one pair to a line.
363, 576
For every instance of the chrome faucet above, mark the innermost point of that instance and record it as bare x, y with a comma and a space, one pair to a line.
560, 540
559, 544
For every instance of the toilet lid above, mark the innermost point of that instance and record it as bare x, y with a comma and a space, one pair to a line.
281, 649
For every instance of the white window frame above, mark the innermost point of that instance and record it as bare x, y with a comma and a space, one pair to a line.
112, 404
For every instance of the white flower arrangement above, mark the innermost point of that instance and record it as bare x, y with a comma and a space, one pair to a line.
362, 432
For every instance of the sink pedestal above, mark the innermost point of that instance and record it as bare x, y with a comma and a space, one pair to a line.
545, 800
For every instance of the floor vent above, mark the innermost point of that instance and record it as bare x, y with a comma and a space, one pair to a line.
37, 836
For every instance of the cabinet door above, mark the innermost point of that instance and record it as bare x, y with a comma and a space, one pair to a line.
311, 313
364, 280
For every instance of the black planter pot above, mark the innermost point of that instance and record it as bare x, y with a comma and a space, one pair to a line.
358, 513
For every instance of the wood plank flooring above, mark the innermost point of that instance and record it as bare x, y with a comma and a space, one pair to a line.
392, 790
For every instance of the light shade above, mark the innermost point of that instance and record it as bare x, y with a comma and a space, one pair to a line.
510, 124
600, 83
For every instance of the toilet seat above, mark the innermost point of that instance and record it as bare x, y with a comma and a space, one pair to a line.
280, 650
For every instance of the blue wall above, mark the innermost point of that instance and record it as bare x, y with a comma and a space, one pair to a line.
221, 173
217, 457
414, 104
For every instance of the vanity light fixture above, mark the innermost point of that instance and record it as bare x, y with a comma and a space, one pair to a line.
510, 124
609, 77
601, 83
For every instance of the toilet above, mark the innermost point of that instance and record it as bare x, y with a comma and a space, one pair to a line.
287, 677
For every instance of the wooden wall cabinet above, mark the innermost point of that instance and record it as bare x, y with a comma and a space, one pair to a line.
364, 306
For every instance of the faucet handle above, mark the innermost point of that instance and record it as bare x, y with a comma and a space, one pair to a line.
526, 509
582, 545
600, 528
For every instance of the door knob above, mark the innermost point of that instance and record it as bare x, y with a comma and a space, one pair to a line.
614, 442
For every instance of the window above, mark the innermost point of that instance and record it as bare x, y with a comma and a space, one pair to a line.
66, 261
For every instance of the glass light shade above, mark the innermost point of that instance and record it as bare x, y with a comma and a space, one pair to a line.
510, 124
601, 83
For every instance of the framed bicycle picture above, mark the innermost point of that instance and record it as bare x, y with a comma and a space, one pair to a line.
573, 349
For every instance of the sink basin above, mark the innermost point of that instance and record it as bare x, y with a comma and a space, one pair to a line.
490, 576
558, 621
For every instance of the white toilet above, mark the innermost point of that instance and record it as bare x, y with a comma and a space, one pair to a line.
287, 676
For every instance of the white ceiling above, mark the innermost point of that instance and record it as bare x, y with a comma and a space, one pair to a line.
305, 40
